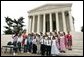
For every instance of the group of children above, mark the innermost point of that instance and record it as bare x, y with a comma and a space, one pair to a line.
51, 43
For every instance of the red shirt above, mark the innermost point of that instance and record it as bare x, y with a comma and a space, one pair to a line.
68, 36
24, 36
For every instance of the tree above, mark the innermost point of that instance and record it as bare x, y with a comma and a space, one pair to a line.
18, 27
82, 29
9, 22
14, 25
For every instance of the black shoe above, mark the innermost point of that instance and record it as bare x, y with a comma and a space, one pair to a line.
64, 52
69, 49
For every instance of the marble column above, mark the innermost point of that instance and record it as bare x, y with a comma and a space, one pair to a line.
64, 22
44, 28
50, 15
33, 23
29, 25
57, 21
71, 21
38, 24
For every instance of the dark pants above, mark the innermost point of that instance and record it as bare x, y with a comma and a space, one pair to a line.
19, 46
34, 48
30, 47
42, 49
23, 41
48, 50
69, 44
45, 50
15, 46
25, 48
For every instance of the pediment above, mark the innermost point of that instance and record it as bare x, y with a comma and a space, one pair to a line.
51, 6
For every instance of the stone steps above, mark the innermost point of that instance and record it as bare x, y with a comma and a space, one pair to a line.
77, 48
78, 39
71, 54
77, 44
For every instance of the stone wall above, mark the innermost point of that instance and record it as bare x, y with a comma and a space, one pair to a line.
5, 39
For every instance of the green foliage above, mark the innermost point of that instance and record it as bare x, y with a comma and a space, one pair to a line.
14, 25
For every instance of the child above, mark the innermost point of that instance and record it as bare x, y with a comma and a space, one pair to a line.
69, 42
42, 46
19, 43
25, 45
48, 46
15, 38
62, 42
54, 49
34, 41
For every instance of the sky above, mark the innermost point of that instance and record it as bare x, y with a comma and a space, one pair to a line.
16, 9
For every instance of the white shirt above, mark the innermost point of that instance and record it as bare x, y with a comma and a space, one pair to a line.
19, 39
49, 42
42, 41
34, 41
45, 41
25, 41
